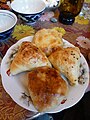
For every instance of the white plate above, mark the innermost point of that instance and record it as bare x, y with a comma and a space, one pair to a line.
16, 85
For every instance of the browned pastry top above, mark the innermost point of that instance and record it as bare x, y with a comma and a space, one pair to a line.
45, 86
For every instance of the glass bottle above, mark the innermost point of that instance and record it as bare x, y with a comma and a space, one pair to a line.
69, 9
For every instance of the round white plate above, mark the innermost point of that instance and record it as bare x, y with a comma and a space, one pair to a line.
16, 85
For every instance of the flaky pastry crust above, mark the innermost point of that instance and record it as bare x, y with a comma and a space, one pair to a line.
46, 88
67, 61
28, 57
48, 40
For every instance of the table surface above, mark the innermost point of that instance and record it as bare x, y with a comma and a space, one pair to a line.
77, 34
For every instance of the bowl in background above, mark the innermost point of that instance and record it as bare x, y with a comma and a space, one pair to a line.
8, 21
28, 10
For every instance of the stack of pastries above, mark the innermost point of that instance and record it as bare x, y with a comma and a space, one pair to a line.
45, 59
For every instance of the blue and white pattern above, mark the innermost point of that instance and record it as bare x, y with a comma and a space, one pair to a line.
30, 18
6, 35
7, 23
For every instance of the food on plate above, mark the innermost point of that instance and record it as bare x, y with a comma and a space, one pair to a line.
48, 40
67, 61
46, 87
28, 57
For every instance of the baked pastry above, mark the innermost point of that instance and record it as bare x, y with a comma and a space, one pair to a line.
67, 61
46, 88
28, 57
48, 40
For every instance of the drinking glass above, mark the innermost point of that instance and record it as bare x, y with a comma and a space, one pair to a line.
69, 9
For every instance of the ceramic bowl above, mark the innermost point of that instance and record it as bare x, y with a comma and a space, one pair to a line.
8, 21
28, 10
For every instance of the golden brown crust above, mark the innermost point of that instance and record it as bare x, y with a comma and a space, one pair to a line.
48, 40
67, 61
28, 57
46, 87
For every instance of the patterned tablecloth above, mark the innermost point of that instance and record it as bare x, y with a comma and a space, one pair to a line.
77, 34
